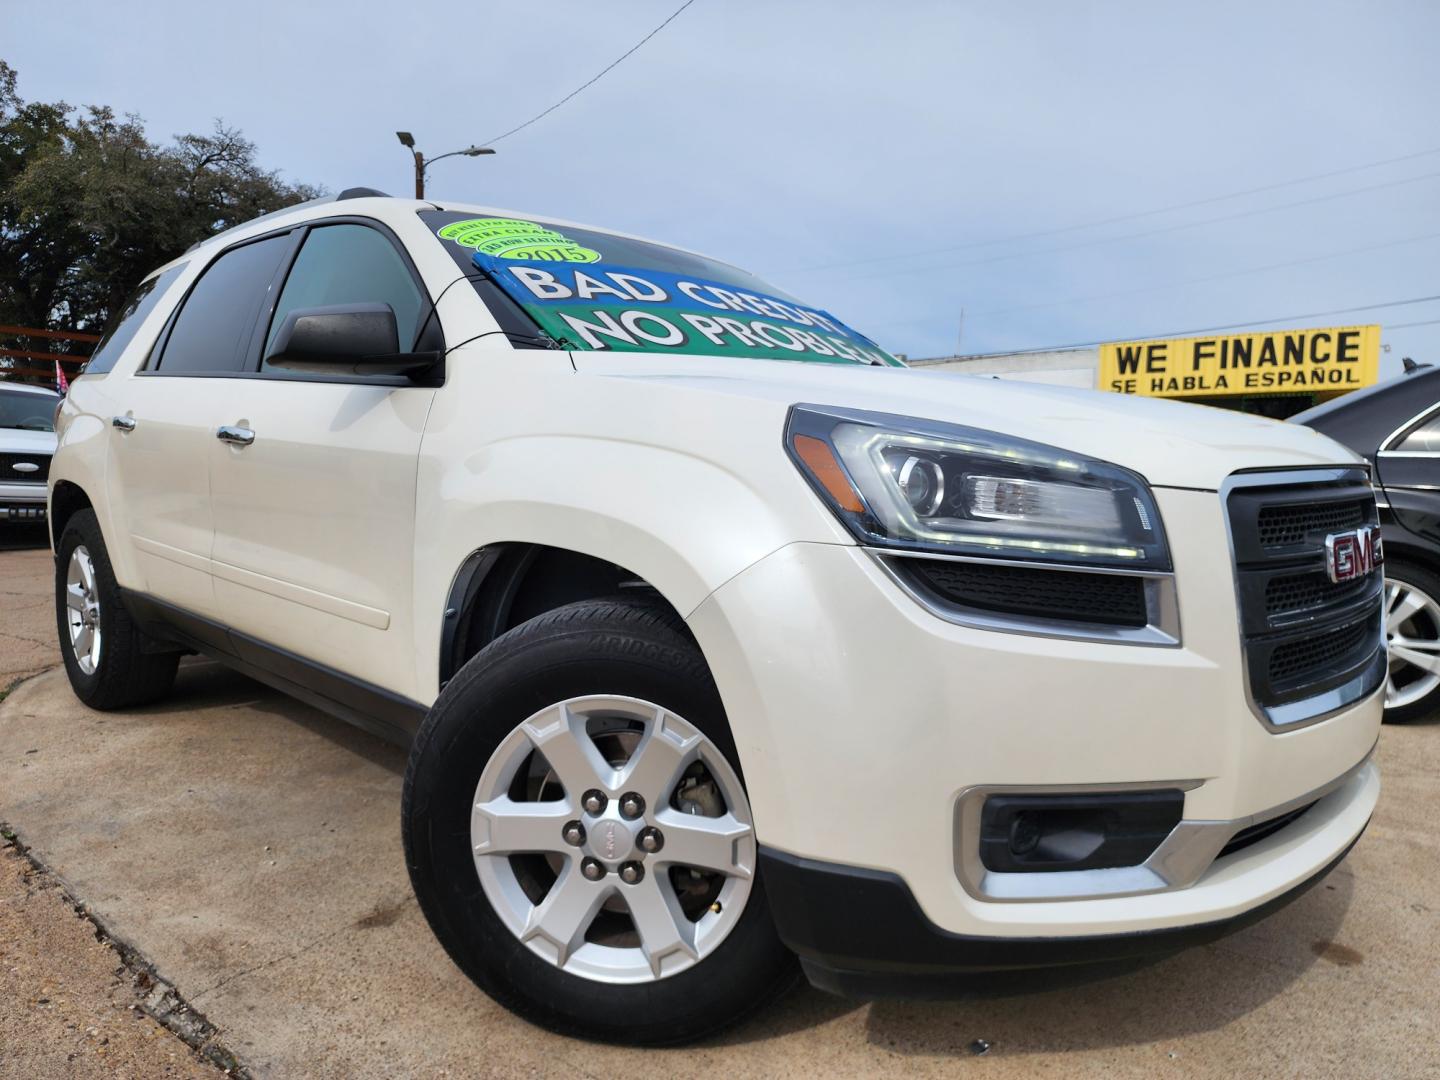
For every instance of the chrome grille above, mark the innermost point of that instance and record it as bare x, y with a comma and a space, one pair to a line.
1310, 644
10, 475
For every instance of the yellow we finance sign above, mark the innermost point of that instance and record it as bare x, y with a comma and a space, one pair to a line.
1326, 360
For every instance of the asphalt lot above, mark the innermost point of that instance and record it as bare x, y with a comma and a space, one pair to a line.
248, 847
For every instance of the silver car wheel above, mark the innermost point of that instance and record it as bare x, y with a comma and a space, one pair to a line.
1412, 634
614, 839
82, 610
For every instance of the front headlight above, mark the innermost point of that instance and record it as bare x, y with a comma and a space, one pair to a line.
905, 483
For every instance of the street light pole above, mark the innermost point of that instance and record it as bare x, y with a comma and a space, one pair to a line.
422, 163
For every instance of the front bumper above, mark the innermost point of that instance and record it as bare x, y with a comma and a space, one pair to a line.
863, 720
817, 907
22, 502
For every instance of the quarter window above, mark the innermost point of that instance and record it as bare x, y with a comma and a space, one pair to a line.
117, 339
1424, 439
212, 333
350, 264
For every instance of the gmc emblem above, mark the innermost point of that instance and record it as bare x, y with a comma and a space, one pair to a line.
1351, 555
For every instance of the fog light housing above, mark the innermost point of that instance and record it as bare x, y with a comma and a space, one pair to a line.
1055, 833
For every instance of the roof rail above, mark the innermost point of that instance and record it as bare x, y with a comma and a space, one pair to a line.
266, 217
361, 193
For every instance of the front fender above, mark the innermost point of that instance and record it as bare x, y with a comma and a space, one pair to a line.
681, 521
82, 459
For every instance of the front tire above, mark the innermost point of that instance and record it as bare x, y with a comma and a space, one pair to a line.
112, 664
1412, 630
578, 834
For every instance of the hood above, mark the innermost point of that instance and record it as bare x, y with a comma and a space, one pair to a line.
16, 441
1170, 443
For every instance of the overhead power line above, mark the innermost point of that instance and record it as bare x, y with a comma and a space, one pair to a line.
1243, 325
604, 71
1215, 277
1101, 241
1306, 315
1123, 217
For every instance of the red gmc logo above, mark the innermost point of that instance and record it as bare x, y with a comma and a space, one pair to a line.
1351, 555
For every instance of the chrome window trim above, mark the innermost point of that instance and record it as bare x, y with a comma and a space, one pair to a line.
1162, 604
1295, 715
1180, 861
1404, 429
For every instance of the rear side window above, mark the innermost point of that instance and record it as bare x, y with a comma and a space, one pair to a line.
350, 264
212, 332
1424, 439
122, 329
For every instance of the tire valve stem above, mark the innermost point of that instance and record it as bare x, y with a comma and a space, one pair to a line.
715, 907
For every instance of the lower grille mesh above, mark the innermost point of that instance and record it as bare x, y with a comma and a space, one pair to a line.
1301, 592
1255, 833
1297, 660
1108, 599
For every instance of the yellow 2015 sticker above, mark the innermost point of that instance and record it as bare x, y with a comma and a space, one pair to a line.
511, 238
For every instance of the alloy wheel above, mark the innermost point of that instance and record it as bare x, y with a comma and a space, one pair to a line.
613, 839
82, 609
1412, 633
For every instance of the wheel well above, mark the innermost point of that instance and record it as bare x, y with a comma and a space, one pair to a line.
1412, 553
503, 585
65, 502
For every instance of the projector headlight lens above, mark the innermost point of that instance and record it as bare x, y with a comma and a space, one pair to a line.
905, 483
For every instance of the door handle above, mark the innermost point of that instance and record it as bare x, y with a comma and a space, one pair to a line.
124, 423
239, 436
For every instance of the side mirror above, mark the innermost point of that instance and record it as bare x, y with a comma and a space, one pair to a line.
345, 339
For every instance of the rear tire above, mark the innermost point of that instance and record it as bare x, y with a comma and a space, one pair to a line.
1412, 591
112, 664
622, 655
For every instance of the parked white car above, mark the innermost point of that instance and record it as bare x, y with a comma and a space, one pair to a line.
27, 442
707, 660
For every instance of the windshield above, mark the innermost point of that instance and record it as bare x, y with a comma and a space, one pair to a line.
28, 412
593, 291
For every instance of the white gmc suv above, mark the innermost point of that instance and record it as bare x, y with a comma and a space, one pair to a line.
707, 660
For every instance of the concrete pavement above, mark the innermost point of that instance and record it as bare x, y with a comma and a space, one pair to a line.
27, 620
249, 848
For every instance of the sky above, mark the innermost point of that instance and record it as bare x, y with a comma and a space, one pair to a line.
972, 177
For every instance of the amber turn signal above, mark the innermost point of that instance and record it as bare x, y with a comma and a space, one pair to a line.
820, 459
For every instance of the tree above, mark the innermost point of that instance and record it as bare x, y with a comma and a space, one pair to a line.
89, 205
34, 248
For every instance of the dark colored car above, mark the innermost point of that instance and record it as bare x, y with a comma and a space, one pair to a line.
1396, 424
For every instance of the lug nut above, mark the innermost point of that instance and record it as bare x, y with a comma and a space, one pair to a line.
573, 833
631, 805
651, 839
593, 801
593, 869
631, 872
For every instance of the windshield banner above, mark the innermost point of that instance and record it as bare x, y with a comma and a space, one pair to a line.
598, 306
